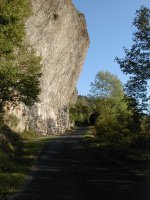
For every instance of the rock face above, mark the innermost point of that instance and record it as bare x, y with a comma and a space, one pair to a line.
58, 33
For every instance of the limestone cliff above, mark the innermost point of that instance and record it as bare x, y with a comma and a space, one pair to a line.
58, 33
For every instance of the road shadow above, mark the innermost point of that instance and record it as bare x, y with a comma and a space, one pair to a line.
66, 170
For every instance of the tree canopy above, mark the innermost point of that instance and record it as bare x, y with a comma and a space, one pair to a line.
106, 85
108, 94
19, 65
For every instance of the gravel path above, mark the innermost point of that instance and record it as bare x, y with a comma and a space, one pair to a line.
66, 170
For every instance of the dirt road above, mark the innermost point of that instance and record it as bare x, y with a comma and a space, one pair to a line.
66, 170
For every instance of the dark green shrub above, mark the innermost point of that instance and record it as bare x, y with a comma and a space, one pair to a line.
10, 141
141, 141
29, 134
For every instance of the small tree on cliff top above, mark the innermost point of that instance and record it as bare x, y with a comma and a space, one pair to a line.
19, 67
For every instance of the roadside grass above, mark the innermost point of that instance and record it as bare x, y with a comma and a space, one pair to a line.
16, 167
132, 157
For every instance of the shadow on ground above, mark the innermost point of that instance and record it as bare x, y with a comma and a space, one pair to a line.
66, 170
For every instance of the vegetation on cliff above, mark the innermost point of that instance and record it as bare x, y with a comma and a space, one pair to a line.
19, 66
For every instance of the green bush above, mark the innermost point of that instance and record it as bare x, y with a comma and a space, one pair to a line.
141, 141
10, 141
11, 120
29, 134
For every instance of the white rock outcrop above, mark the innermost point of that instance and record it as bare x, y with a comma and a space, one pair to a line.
58, 33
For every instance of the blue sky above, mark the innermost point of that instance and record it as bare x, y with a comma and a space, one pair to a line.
109, 24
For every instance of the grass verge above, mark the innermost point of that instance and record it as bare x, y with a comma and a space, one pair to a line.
15, 167
135, 159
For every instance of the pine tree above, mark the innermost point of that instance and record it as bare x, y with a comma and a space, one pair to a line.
137, 60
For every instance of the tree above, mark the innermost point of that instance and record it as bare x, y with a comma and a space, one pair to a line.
137, 60
19, 66
136, 114
113, 114
106, 85
80, 112
12, 30
19, 78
